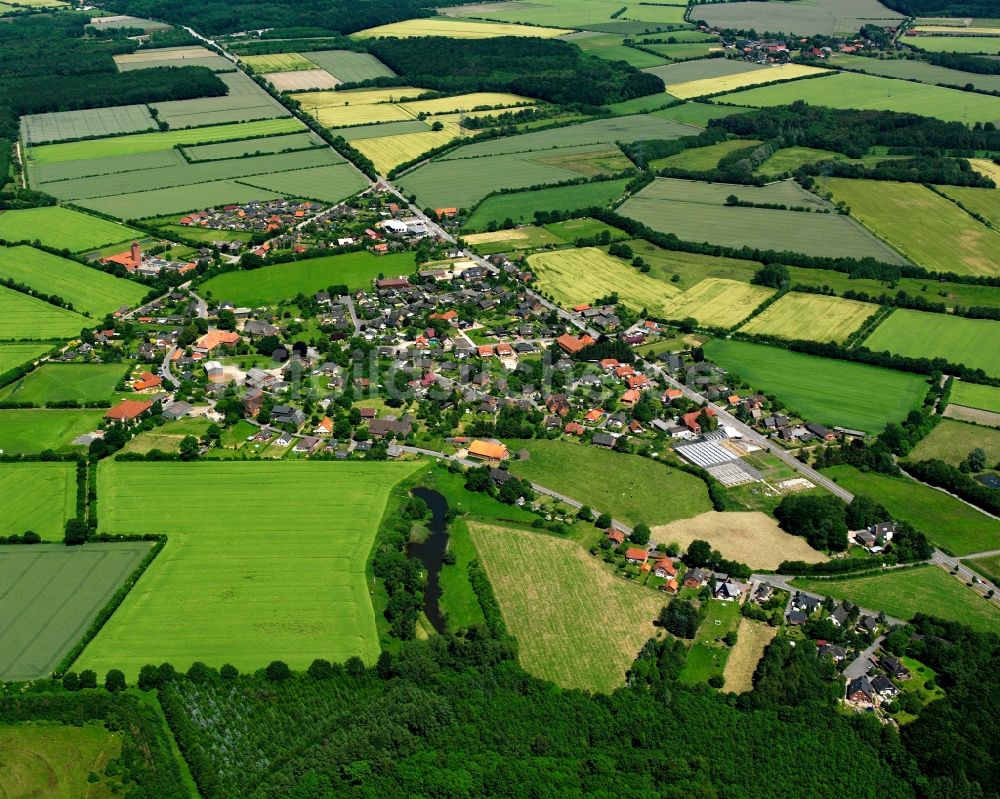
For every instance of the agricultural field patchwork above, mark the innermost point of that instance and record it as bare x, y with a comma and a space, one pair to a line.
564, 14
25, 317
904, 593
31, 431
546, 587
66, 382
329, 184
245, 147
37, 496
241, 579
946, 521
717, 302
918, 334
749, 537
930, 230
54, 593
582, 275
278, 62
89, 290
13, 355
245, 102
187, 56
271, 284
61, 125
689, 89
831, 392
702, 158
813, 317
521, 206
302, 80
349, 67
973, 395
457, 29
909, 69
697, 212
808, 18
971, 45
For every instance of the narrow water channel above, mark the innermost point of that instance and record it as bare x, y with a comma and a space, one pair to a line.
431, 551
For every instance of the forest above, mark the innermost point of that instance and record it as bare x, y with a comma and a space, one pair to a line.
546, 69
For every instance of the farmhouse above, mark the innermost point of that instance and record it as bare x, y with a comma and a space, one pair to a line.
571, 344
216, 338
488, 450
131, 260
636, 555
128, 410
146, 381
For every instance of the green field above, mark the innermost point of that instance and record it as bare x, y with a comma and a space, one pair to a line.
348, 66
708, 655
546, 588
91, 123
12, 355
699, 114
52, 594
805, 18
609, 46
904, 593
34, 430
852, 90
702, 159
25, 317
244, 578
37, 496
62, 382
641, 491
329, 184
909, 69
278, 62
716, 302
165, 140
956, 44
946, 521
62, 228
158, 202
852, 395
932, 231
262, 146
985, 202
521, 206
813, 317
53, 761
703, 69
973, 395
989, 567
564, 14
579, 276
244, 102
271, 284
520, 238
696, 211
951, 441
918, 334
89, 290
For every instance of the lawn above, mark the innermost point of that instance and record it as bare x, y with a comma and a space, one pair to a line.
642, 490
53, 761
66, 382
695, 211
752, 537
271, 284
744, 657
973, 395
578, 276
863, 92
717, 302
521, 206
828, 391
702, 159
12, 355
951, 442
89, 290
52, 594
708, 654
34, 430
947, 522
245, 577
926, 227
62, 228
38, 497
576, 623
904, 593
813, 317
975, 343
25, 317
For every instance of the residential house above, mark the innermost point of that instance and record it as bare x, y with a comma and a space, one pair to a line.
664, 568
837, 653
128, 410
883, 686
860, 690
616, 536
695, 578
636, 555
307, 444
763, 593
603, 440
839, 616
894, 668
796, 618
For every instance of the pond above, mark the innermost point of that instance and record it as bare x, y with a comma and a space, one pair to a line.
430, 553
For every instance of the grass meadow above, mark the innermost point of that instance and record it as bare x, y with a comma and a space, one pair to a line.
582, 275
708, 654
985, 202
989, 45
37, 496
247, 575
918, 334
62, 382
521, 206
973, 395
753, 638
702, 159
25, 317
30, 431
62, 228
813, 317
718, 302
53, 761
989, 567
53, 594
947, 522
910, 69
927, 228
546, 588
951, 441
271, 284
642, 491
89, 290
831, 392
906, 592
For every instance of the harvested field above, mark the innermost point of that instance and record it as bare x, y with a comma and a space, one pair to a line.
52, 594
350, 67
546, 587
717, 302
302, 80
62, 228
974, 395
25, 317
89, 290
930, 230
753, 638
753, 538
61, 125
582, 275
458, 29
37, 496
703, 69
466, 102
812, 317
292, 588
522, 238
974, 415
918, 334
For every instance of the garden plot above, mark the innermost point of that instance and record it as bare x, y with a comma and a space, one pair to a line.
62, 125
